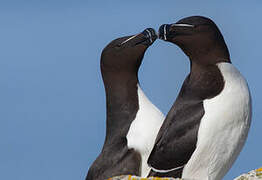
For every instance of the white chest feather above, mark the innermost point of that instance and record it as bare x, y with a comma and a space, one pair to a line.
223, 128
143, 130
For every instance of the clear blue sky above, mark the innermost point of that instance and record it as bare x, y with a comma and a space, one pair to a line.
52, 102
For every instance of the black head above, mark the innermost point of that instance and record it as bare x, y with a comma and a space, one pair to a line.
125, 54
198, 37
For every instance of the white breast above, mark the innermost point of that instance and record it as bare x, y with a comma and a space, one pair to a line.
223, 129
143, 130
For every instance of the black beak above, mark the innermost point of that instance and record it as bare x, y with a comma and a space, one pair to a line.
163, 31
147, 37
166, 31
150, 35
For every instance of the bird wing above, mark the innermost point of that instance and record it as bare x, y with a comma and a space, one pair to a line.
177, 138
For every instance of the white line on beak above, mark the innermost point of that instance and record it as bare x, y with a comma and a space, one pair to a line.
132, 37
165, 33
150, 35
182, 25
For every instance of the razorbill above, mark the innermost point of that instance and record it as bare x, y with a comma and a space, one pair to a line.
209, 121
132, 121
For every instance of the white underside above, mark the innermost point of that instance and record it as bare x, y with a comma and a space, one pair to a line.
143, 130
223, 129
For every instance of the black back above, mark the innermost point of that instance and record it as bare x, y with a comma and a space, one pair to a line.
205, 47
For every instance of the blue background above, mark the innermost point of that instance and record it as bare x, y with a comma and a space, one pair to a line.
52, 101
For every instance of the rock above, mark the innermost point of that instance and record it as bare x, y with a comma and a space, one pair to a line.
252, 175
130, 177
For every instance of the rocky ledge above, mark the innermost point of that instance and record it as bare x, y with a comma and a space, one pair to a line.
252, 175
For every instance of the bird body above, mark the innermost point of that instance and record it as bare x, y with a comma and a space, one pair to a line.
223, 128
132, 121
209, 121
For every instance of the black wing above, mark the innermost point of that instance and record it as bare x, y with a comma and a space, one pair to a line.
115, 160
177, 138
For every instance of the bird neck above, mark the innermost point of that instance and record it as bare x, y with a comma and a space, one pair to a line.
121, 104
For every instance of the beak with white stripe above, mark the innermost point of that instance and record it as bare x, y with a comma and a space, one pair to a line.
147, 37
167, 31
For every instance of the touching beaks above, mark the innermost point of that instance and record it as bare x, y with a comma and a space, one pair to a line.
164, 34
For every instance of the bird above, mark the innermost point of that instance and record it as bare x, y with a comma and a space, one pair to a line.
132, 121
207, 126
